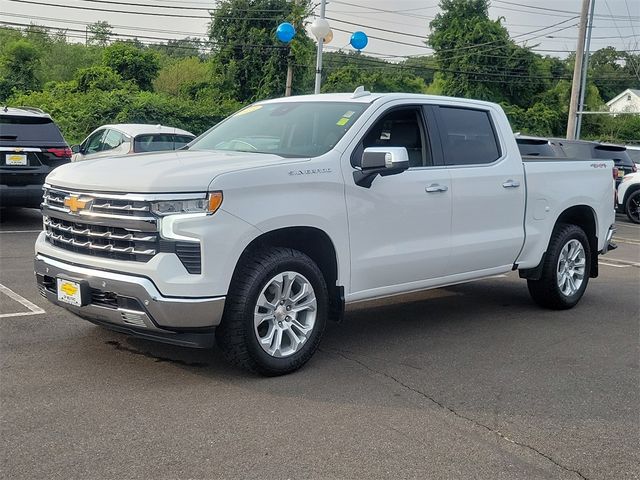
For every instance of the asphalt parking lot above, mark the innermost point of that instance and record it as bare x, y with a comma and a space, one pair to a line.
471, 381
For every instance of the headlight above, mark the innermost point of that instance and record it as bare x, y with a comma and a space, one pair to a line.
209, 204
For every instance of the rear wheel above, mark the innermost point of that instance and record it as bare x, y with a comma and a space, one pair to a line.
566, 269
275, 312
632, 207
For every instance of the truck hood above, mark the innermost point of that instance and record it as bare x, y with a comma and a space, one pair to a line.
159, 172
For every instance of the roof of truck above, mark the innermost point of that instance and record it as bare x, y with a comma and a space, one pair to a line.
368, 97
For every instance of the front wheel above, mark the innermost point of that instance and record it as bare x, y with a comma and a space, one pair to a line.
632, 207
566, 269
275, 312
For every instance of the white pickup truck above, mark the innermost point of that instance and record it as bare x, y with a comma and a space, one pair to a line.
267, 225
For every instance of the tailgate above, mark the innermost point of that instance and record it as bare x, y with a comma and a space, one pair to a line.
21, 166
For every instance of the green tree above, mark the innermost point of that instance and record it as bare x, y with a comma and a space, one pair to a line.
181, 48
243, 32
180, 77
477, 58
613, 71
99, 33
98, 78
131, 63
20, 62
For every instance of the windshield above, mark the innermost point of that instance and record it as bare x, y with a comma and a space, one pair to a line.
301, 129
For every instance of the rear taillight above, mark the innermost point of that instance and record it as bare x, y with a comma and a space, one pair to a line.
615, 173
60, 152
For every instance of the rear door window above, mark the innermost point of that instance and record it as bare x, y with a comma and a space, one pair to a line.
182, 140
468, 136
157, 142
24, 131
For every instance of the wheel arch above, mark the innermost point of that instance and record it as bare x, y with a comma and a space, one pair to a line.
582, 216
632, 189
585, 217
317, 245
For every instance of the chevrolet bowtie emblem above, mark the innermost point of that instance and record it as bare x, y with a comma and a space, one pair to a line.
75, 204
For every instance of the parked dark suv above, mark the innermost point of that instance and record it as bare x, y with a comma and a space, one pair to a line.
31, 145
604, 151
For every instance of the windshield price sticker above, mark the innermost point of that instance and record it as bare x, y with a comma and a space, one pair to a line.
250, 109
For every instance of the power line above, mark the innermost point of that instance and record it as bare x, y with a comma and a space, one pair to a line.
555, 10
155, 5
155, 14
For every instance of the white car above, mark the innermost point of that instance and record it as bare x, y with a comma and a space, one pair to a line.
279, 216
629, 196
126, 138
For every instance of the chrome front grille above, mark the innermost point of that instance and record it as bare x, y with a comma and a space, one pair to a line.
114, 226
101, 225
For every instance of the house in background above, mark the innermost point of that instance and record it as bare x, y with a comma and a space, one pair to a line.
627, 102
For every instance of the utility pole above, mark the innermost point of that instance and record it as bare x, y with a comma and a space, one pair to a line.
287, 90
585, 68
319, 53
577, 72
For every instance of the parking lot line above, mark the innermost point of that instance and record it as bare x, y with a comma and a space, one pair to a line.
33, 308
614, 265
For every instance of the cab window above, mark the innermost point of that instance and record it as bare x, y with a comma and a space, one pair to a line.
402, 127
468, 136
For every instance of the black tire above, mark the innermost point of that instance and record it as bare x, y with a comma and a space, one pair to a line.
236, 336
546, 292
632, 206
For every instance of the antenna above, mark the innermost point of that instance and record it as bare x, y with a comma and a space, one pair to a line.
360, 92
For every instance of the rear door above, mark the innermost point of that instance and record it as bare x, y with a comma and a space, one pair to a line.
488, 191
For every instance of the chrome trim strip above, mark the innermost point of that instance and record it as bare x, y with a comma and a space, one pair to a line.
102, 248
140, 224
106, 235
133, 197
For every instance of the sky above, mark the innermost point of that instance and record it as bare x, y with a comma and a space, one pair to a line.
400, 25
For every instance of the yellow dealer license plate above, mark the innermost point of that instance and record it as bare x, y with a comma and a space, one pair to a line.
69, 292
15, 159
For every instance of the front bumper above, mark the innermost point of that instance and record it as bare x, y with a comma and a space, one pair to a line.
132, 304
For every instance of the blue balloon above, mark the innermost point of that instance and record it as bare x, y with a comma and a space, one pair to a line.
359, 40
285, 32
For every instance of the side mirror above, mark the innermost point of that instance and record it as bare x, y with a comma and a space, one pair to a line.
75, 148
380, 161
385, 157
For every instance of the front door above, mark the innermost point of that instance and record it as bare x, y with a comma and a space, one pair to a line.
399, 228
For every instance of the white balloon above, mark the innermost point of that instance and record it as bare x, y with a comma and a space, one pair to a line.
320, 28
328, 37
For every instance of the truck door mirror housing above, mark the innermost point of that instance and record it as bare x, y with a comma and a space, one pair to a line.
380, 161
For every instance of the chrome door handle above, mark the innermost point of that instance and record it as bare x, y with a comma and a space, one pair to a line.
511, 184
434, 187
